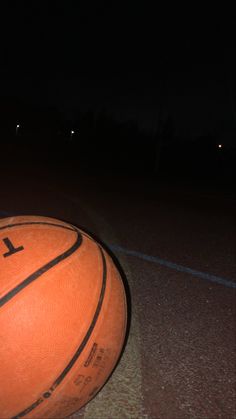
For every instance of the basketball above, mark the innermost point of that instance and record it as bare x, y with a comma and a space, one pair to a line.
62, 317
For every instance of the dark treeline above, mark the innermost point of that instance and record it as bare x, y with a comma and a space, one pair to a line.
97, 141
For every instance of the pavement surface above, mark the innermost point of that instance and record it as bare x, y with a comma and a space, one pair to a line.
175, 243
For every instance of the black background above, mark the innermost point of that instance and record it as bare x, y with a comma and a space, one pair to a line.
151, 78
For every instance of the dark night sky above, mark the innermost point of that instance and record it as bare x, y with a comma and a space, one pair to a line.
123, 58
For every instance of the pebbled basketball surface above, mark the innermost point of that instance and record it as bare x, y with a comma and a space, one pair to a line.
62, 295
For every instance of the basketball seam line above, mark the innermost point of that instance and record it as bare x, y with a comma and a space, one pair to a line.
35, 275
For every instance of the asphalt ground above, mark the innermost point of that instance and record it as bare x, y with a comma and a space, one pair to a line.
175, 243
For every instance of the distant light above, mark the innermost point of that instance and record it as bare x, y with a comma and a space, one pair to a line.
17, 129
219, 145
72, 132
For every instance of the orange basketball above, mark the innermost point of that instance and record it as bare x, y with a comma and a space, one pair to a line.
62, 317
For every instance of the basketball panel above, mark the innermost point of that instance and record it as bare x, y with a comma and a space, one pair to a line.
98, 359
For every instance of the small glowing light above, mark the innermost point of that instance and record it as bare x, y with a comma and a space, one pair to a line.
72, 132
219, 145
18, 126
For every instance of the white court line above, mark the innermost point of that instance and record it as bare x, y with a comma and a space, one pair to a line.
5, 214
154, 259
